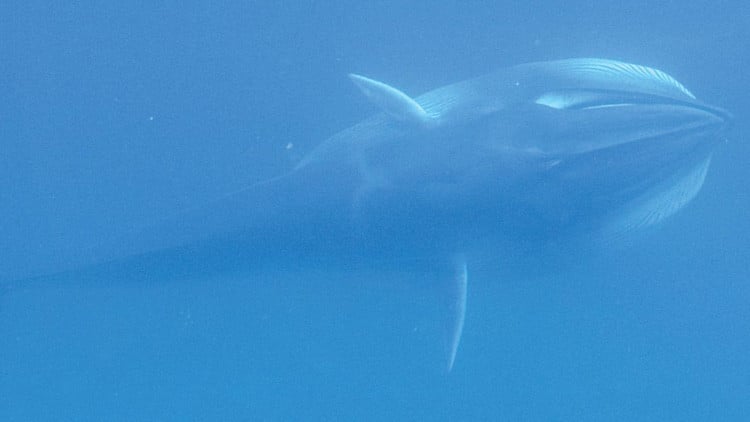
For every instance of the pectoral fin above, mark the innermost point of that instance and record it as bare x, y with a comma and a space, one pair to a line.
392, 101
456, 310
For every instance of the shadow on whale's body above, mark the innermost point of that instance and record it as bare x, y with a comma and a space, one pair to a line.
583, 150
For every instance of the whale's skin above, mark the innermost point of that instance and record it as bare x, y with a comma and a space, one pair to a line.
493, 166
536, 154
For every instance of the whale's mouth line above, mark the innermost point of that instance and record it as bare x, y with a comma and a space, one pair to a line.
598, 99
719, 113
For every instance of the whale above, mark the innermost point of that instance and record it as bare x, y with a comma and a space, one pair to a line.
581, 150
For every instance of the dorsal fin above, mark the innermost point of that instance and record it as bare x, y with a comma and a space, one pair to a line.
392, 101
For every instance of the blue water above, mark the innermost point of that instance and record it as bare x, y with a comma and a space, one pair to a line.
114, 116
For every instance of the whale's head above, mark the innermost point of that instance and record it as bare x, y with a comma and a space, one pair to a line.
592, 104
578, 142
631, 142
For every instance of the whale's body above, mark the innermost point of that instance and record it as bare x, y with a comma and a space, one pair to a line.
580, 149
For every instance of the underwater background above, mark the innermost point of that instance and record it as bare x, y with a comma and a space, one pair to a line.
116, 115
